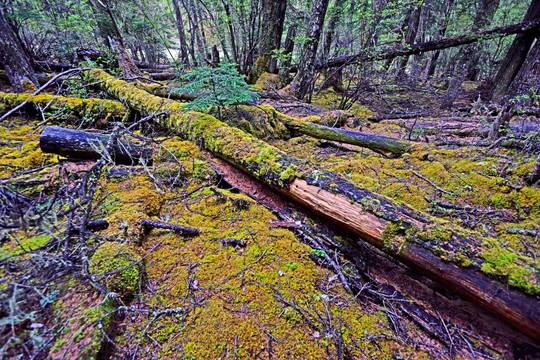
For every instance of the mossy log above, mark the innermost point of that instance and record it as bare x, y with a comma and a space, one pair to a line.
380, 144
84, 145
74, 107
268, 117
443, 251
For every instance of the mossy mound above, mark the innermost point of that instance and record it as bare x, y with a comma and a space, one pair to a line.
268, 82
123, 261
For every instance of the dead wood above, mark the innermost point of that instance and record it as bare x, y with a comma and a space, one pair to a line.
148, 225
78, 144
74, 107
400, 231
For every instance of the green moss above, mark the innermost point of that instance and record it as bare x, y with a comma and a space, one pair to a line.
24, 245
111, 257
288, 173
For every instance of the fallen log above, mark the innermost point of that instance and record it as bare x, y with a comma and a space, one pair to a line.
316, 126
441, 250
380, 144
73, 107
78, 144
383, 53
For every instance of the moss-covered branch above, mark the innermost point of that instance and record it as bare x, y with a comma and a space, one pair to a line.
442, 250
62, 107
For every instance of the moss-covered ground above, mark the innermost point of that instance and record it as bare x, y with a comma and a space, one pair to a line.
263, 296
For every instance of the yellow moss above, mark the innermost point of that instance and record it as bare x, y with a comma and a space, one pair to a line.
268, 82
113, 257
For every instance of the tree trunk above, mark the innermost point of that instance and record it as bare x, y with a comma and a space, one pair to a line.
516, 55
336, 15
413, 23
535, 174
288, 47
273, 19
227, 8
402, 232
303, 82
529, 71
15, 61
468, 53
84, 145
184, 51
389, 53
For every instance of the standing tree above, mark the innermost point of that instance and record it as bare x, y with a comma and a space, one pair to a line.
468, 55
184, 51
12, 56
516, 55
303, 81
273, 13
412, 23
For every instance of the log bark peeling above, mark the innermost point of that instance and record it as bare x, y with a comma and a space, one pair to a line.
442, 250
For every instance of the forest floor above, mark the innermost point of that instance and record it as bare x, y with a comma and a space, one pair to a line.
263, 278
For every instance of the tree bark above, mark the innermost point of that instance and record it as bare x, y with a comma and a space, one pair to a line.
388, 53
184, 50
12, 56
84, 145
529, 72
534, 178
273, 18
468, 54
402, 232
288, 47
413, 23
303, 82
516, 55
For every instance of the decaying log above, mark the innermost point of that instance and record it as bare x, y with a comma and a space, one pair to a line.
316, 126
437, 249
74, 107
84, 145
380, 144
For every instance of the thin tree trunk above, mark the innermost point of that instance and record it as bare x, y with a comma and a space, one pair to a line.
516, 55
303, 82
234, 49
410, 37
12, 56
468, 53
288, 47
184, 52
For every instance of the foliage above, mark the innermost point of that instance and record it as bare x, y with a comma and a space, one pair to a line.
216, 87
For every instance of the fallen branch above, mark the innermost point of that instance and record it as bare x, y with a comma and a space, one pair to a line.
405, 50
148, 225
